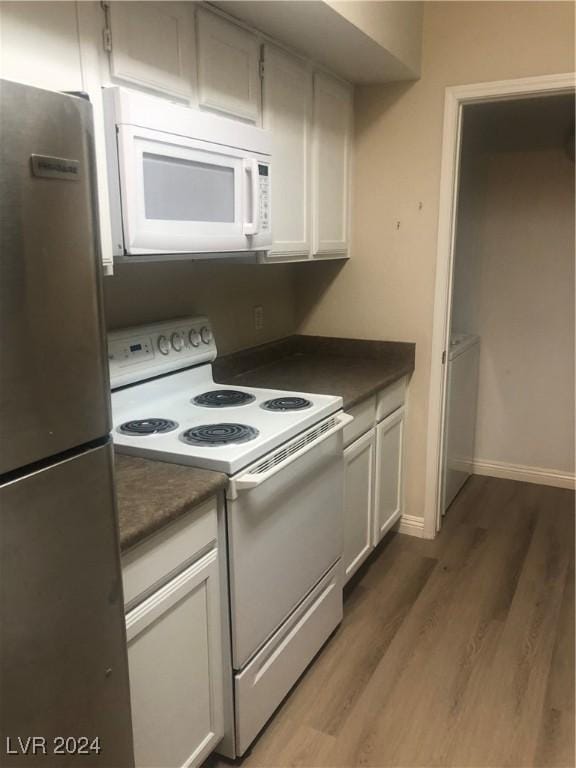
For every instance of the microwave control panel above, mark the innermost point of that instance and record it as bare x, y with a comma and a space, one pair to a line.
264, 196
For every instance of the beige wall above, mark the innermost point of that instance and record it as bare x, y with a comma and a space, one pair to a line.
523, 310
386, 291
227, 293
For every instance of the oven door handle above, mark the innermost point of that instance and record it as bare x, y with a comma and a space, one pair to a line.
251, 479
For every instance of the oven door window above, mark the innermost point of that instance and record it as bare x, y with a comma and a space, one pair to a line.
180, 195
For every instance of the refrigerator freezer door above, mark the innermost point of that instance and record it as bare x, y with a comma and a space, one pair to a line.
63, 665
53, 368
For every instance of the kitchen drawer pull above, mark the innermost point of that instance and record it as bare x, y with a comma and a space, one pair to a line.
253, 477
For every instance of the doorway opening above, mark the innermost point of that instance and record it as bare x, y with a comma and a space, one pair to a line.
502, 395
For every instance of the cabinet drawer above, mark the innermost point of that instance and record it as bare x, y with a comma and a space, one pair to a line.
156, 560
262, 685
391, 398
364, 415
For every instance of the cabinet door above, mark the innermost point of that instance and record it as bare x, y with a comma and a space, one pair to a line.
389, 451
331, 164
287, 108
153, 46
228, 67
358, 502
175, 664
39, 45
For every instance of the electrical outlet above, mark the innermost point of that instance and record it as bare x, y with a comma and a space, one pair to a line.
259, 317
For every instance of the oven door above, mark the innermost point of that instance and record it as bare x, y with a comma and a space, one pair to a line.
285, 522
180, 195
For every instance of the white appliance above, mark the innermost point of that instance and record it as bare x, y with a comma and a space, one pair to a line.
461, 402
183, 181
283, 453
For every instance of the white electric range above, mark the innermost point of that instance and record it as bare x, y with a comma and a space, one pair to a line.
283, 452
186, 418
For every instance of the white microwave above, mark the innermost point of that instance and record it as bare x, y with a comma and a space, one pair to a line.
184, 182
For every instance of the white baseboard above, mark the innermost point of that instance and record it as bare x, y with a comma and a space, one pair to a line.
411, 525
461, 465
525, 474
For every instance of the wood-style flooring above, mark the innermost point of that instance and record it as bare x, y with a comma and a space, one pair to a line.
454, 652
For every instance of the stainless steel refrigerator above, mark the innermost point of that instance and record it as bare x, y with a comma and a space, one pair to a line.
63, 661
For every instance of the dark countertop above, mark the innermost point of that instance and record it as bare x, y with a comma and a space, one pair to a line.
151, 494
352, 368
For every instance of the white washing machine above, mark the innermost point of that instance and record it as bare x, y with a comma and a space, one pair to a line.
460, 425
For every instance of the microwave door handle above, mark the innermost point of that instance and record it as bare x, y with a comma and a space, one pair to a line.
251, 168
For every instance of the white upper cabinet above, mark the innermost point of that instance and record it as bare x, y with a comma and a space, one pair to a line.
152, 46
331, 165
228, 67
195, 55
39, 45
287, 113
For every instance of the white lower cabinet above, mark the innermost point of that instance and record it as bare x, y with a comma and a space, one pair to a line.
175, 656
358, 501
388, 495
373, 471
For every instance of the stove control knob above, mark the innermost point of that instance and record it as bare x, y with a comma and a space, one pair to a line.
163, 345
177, 342
194, 337
206, 335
